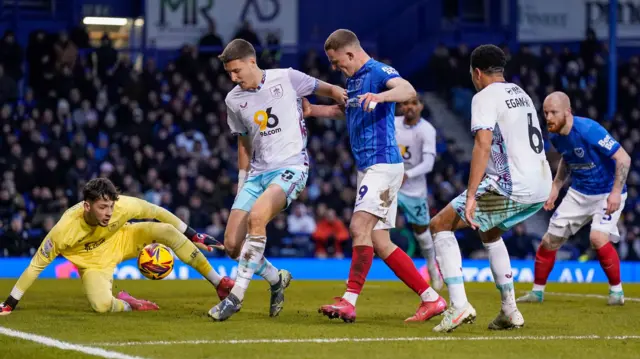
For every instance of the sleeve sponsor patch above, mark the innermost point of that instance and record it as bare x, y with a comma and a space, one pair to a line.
46, 248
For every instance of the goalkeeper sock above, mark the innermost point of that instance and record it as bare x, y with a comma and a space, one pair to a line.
503, 276
267, 271
450, 262
191, 255
250, 256
118, 305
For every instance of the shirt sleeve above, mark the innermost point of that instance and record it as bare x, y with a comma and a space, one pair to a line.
601, 140
235, 122
46, 253
384, 73
141, 209
303, 84
483, 114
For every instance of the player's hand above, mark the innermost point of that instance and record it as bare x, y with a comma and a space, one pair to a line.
365, 100
306, 108
613, 202
551, 201
206, 243
470, 212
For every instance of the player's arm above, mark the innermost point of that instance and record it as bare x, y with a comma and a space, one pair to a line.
322, 111
45, 254
623, 163
306, 85
562, 174
428, 154
141, 209
244, 154
399, 90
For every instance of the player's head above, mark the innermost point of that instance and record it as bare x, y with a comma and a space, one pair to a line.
487, 65
412, 108
100, 196
239, 60
557, 111
343, 50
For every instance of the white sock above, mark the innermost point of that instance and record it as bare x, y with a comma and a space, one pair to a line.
538, 287
428, 249
250, 255
429, 295
17, 293
350, 297
214, 277
614, 288
267, 271
127, 306
502, 274
450, 262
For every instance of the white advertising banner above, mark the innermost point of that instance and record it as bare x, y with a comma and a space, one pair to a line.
568, 20
172, 23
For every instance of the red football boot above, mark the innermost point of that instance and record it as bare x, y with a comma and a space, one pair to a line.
224, 287
340, 308
137, 304
428, 310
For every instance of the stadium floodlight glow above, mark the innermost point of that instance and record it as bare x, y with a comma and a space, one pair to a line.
115, 21
138, 22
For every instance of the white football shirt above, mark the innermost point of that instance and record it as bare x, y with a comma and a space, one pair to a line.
272, 117
415, 143
518, 165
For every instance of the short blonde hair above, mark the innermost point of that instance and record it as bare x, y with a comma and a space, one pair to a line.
340, 39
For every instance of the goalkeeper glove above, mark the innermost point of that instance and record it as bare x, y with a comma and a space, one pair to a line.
203, 241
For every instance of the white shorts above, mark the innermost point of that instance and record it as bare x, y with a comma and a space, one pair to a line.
578, 209
378, 188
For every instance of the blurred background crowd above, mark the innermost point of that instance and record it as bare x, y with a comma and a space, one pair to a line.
71, 111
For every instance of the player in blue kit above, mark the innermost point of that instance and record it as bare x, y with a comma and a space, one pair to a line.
599, 167
372, 90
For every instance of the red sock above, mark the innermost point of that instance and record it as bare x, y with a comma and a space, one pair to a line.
610, 262
402, 265
361, 261
545, 259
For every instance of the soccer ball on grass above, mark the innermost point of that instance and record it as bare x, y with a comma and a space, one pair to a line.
155, 261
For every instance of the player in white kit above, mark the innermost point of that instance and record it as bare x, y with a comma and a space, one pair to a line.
265, 110
417, 141
510, 180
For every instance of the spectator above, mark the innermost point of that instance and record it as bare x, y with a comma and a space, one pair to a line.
8, 88
329, 232
66, 51
11, 56
210, 39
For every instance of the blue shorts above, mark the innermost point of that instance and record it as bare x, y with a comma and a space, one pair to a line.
494, 209
415, 209
292, 180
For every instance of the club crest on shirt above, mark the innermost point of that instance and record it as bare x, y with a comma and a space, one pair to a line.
579, 152
276, 91
113, 226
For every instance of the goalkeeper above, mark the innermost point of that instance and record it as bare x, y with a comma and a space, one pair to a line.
95, 236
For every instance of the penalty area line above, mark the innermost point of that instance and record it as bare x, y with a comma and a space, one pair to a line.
54, 343
364, 340
583, 295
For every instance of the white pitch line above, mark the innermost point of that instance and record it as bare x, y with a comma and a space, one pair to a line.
356, 340
581, 295
50, 342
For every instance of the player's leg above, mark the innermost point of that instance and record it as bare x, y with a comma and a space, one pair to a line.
602, 227
449, 260
573, 213
137, 235
417, 213
98, 285
402, 265
234, 237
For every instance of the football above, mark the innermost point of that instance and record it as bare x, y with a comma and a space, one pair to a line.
155, 261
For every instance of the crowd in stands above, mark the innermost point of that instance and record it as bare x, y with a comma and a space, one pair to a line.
160, 133
583, 75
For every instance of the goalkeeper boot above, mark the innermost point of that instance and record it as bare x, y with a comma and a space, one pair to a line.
454, 318
534, 296
137, 304
511, 321
5, 309
277, 293
340, 308
224, 287
225, 309
428, 310
616, 298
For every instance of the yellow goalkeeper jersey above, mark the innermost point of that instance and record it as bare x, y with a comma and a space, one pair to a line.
87, 246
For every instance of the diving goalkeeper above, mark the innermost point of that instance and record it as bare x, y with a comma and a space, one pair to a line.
95, 236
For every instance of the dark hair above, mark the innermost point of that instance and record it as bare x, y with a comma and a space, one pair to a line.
100, 188
340, 39
237, 49
488, 59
